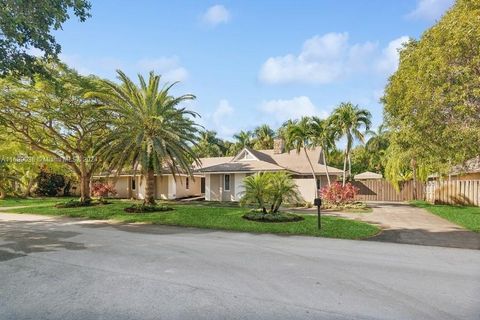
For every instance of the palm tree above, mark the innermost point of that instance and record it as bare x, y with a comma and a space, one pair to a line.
209, 145
322, 135
257, 190
263, 137
377, 145
243, 139
283, 189
298, 136
151, 131
348, 120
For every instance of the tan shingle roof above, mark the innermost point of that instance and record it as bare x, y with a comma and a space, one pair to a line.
268, 161
469, 166
367, 175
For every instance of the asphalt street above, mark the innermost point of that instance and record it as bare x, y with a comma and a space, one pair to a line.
71, 269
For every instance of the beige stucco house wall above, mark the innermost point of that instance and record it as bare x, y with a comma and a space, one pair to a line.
166, 187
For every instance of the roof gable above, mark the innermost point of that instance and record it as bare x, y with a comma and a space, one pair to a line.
245, 155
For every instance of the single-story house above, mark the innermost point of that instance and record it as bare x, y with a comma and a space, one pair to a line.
130, 185
368, 175
221, 178
224, 175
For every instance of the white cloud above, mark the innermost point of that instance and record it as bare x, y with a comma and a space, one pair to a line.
222, 117
168, 67
388, 62
430, 10
216, 15
323, 59
282, 110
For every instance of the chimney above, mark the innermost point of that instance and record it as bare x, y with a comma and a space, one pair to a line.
278, 146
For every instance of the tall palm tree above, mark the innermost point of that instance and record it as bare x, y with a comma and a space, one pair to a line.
209, 145
263, 137
377, 146
242, 139
298, 137
322, 135
348, 120
150, 130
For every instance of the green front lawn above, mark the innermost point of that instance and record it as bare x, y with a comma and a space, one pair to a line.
203, 215
465, 216
17, 202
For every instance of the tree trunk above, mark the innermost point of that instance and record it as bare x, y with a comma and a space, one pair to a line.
349, 165
2, 194
85, 187
28, 189
326, 167
150, 188
313, 172
344, 169
413, 163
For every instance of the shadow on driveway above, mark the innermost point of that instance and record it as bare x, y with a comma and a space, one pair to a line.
22, 238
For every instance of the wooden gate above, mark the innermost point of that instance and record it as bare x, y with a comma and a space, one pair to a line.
382, 190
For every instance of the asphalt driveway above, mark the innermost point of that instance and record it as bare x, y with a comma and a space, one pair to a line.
404, 223
71, 269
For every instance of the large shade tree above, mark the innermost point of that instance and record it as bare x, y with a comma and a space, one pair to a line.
29, 24
150, 131
351, 122
54, 115
432, 102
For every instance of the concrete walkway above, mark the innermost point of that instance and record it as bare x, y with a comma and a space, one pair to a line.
403, 223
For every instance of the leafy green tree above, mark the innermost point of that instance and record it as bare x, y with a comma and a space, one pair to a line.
53, 115
8, 178
263, 137
150, 131
432, 105
348, 120
28, 24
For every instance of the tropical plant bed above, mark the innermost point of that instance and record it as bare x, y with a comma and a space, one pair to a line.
146, 208
272, 217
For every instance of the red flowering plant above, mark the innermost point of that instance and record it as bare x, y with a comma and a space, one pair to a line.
101, 189
338, 195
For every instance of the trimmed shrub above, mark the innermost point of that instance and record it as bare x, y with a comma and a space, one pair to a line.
259, 216
49, 184
338, 194
145, 208
101, 189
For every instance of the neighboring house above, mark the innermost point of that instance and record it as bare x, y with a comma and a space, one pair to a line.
224, 175
368, 175
129, 185
469, 170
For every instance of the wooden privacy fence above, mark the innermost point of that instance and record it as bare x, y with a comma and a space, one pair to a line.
382, 190
466, 192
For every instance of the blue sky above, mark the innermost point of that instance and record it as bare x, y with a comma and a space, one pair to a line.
253, 62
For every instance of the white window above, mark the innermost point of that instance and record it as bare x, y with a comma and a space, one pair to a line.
187, 183
226, 182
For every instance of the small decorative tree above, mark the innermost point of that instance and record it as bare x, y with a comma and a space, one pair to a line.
270, 190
